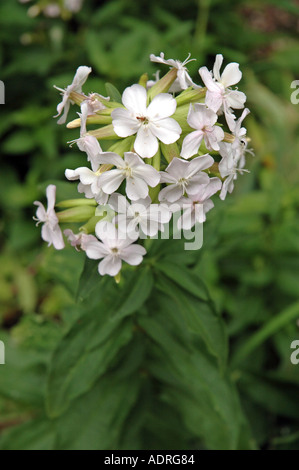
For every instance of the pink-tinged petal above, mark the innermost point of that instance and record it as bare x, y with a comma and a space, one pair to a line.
227, 186
124, 124
195, 116
80, 78
171, 193
149, 227
191, 144
231, 75
133, 254
134, 99
71, 175
41, 211
167, 130
196, 181
110, 265
64, 105
46, 234
119, 203
205, 191
177, 168
57, 238
112, 158
136, 188
235, 99
149, 174
212, 138
95, 249
166, 178
162, 106
111, 180
132, 159
198, 164
214, 100
159, 59
91, 146
106, 231
51, 196
101, 197
217, 67
208, 205
186, 220
85, 239
146, 144
207, 78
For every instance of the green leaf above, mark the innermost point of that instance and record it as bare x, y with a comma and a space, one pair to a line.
83, 355
200, 318
113, 92
37, 434
185, 279
95, 420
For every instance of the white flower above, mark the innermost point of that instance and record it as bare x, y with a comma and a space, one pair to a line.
89, 183
78, 240
229, 167
219, 96
76, 85
197, 205
90, 145
238, 131
202, 119
89, 107
113, 249
149, 123
131, 168
184, 177
51, 231
149, 217
183, 80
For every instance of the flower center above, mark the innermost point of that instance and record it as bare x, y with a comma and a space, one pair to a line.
127, 172
114, 251
143, 120
183, 182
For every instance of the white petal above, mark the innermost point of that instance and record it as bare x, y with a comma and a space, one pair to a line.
41, 211
124, 124
110, 265
51, 196
171, 193
217, 67
167, 130
231, 75
111, 180
132, 159
80, 78
235, 99
111, 158
119, 203
136, 188
162, 106
198, 164
191, 144
57, 238
214, 100
177, 168
95, 249
134, 99
212, 138
106, 231
133, 254
146, 144
207, 78
149, 174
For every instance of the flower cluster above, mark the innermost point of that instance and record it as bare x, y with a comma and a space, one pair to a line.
174, 145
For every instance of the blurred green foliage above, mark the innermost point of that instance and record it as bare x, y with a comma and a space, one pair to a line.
250, 256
